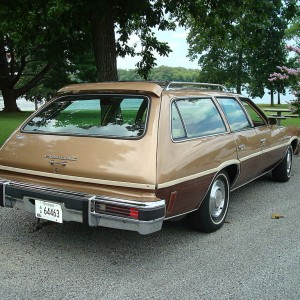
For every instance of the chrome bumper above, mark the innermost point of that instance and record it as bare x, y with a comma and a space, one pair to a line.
93, 210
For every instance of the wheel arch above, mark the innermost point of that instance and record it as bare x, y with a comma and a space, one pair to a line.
295, 145
233, 173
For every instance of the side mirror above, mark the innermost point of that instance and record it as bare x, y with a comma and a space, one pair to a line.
272, 121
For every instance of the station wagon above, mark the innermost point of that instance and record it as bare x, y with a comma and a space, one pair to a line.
131, 155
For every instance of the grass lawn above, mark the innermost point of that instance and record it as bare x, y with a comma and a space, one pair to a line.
9, 122
287, 122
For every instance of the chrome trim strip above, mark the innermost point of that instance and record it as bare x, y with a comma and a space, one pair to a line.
197, 175
130, 203
258, 153
142, 227
275, 148
80, 179
4, 184
263, 151
90, 209
104, 199
199, 84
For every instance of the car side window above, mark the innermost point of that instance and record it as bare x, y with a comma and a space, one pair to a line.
234, 113
256, 118
198, 117
178, 130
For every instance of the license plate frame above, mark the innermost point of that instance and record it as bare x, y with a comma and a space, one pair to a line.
48, 211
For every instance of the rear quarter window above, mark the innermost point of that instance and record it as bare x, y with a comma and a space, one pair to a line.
195, 117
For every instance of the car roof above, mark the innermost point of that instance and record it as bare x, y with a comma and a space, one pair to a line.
175, 89
119, 86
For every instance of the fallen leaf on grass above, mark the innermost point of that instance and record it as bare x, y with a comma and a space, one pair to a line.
277, 216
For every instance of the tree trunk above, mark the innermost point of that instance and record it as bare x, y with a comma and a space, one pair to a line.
239, 73
10, 100
104, 43
278, 98
272, 96
8, 93
8, 79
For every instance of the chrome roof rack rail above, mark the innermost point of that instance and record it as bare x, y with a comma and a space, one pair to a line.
194, 85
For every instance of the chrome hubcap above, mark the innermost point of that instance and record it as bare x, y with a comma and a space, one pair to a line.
217, 198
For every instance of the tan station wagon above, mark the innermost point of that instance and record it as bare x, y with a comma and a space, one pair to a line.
130, 155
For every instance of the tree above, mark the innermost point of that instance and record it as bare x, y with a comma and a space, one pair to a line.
293, 32
238, 42
288, 73
25, 58
11, 70
162, 73
64, 27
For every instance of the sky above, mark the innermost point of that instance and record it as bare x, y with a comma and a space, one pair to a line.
178, 57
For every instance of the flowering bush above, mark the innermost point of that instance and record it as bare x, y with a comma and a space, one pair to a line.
285, 74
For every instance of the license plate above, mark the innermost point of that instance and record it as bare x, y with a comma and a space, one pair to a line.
48, 211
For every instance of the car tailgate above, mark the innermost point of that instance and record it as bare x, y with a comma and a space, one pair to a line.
91, 159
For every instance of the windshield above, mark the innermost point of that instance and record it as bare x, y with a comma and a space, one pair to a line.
116, 116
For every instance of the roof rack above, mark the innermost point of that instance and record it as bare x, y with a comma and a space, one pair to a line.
196, 85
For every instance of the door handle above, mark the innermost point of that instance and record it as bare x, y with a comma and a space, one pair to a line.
263, 141
241, 147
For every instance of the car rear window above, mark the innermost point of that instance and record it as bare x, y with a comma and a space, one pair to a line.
115, 116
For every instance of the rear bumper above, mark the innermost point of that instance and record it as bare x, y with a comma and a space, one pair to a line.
93, 210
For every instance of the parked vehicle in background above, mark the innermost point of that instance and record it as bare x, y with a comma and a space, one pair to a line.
130, 155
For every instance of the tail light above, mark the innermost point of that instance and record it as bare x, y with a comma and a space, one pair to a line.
122, 211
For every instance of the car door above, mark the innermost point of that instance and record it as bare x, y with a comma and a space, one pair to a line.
271, 137
248, 141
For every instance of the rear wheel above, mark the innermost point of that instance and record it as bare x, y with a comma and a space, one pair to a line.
283, 171
213, 210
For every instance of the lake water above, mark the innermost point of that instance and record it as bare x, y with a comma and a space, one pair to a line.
22, 104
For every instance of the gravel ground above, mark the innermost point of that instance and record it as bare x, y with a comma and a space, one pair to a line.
252, 257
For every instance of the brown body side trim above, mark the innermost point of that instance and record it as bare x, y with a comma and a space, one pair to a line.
189, 194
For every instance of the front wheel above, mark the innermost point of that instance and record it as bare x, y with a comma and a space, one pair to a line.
283, 171
213, 210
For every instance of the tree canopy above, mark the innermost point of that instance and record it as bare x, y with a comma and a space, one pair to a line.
162, 73
58, 33
55, 42
238, 43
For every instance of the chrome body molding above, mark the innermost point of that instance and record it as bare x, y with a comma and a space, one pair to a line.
81, 207
201, 174
79, 179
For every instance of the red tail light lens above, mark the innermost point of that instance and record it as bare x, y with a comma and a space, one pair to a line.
122, 211
134, 213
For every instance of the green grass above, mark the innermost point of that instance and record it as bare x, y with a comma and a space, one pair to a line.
9, 122
286, 122
91, 117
